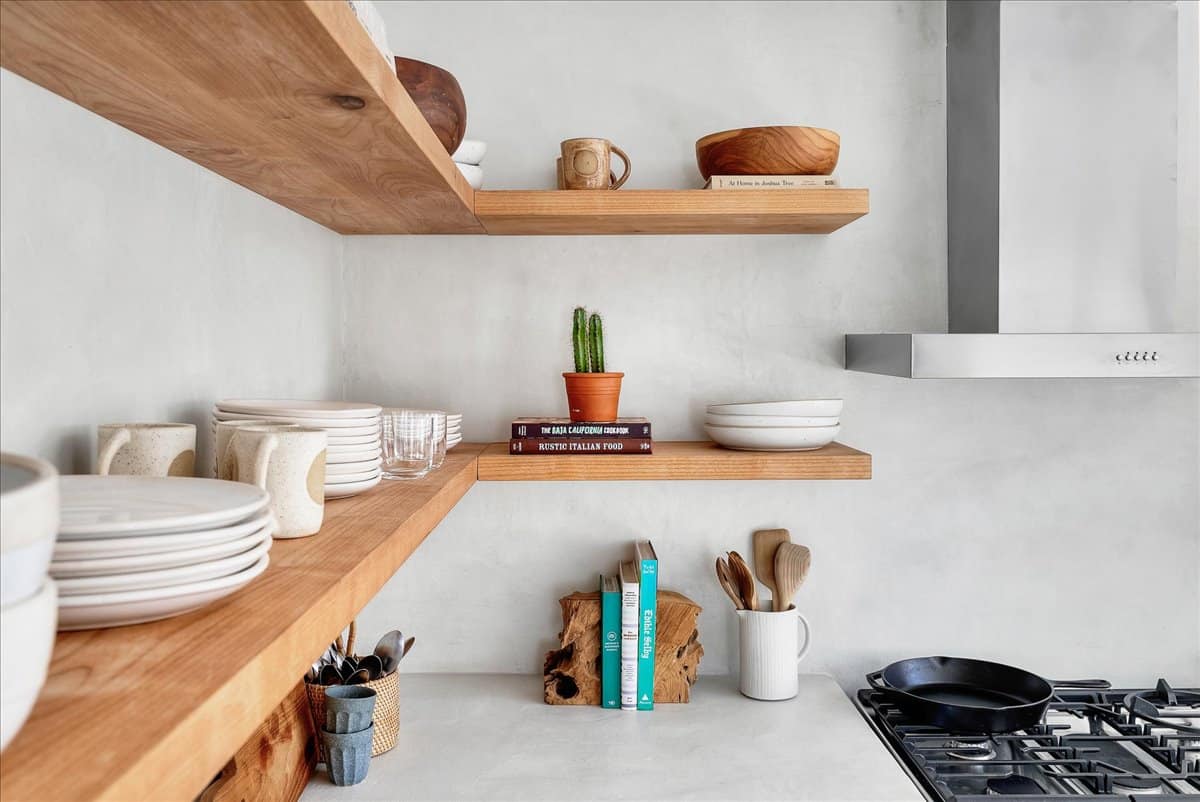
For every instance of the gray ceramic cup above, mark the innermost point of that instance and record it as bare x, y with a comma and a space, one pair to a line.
347, 755
348, 708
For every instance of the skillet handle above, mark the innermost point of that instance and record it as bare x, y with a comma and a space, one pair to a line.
1101, 684
876, 681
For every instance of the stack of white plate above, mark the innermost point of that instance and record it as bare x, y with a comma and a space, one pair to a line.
453, 429
353, 456
775, 425
140, 548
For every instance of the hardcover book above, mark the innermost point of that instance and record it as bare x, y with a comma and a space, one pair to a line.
610, 642
771, 182
647, 564
563, 427
629, 635
581, 445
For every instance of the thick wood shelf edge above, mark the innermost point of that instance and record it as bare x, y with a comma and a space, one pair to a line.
684, 460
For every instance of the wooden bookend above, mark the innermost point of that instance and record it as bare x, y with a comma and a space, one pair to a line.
572, 672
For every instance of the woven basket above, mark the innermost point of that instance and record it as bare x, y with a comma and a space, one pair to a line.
387, 707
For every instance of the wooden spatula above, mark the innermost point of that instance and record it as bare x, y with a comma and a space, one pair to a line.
765, 542
743, 580
728, 585
791, 566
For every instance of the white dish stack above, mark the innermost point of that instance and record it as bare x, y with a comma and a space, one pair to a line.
468, 158
352, 459
802, 425
139, 548
453, 429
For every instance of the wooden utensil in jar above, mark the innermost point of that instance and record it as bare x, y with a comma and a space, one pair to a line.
791, 567
743, 580
727, 584
765, 543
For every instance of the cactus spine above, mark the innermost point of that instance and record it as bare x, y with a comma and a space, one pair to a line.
579, 339
596, 335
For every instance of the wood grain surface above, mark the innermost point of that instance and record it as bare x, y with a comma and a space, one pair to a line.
251, 91
663, 211
155, 711
769, 150
676, 460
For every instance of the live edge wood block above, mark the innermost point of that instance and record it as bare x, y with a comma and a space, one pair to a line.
572, 672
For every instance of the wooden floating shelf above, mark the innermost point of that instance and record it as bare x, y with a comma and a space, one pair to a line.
256, 91
676, 460
154, 711
662, 211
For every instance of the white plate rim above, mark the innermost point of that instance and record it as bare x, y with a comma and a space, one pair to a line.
162, 594
763, 407
337, 424
352, 488
256, 499
300, 408
351, 478
233, 564
117, 546
69, 569
364, 467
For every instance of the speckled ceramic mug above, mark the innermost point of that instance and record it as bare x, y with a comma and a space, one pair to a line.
225, 430
289, 463
146, 449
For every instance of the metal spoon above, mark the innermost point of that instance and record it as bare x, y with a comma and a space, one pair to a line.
359, 677
372, 665
408, 646
390, 649
330, 675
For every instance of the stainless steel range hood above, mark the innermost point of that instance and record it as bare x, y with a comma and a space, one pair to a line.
1072, 177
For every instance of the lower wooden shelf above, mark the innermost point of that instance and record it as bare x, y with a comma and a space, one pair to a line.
676, 460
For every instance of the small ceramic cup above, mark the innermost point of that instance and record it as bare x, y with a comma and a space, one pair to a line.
347, 755
146, 449
348, 708
289, 463
224, 432
770, 652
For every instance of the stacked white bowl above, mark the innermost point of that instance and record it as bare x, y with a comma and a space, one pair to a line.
352, 458
140, 548
453, 429
801, 425
468, 158
28, 597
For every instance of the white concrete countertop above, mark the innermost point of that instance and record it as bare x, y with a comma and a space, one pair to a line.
490, 737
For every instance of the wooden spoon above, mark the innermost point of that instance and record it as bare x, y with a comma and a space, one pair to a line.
791, 567
766, 541
727, 584
743, 580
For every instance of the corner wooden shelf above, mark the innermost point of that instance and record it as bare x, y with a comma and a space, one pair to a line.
676, 460
661, 211
154, 711
255, 90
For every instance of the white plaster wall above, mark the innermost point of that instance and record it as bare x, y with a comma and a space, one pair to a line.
1052, 524
135, 285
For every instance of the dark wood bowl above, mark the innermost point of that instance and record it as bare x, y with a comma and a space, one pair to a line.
438, 97
769, 150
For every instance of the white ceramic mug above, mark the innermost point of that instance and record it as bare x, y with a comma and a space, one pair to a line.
224, 432
770, 652
146, 449
287, 462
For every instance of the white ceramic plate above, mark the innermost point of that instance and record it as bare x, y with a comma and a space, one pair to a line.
137, 606
351, 453
775, 439
350, 489
351, 478
165, 578
157, 544
117, 506
371, 440
300, 409
320, 423
770, 420
347, 468
816, 407
103, 566
450, 445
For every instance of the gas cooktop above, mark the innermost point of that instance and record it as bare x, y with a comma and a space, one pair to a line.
1102, 744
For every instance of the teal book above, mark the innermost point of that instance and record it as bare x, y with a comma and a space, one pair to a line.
647, 563
610, 642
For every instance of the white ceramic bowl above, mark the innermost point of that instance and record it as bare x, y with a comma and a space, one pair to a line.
26, 641
773, 439
770, 420
813, 407
28, 524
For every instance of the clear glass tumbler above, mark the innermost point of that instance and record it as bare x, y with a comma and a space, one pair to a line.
408, 443
439, 437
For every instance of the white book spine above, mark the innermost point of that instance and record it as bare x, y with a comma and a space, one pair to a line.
629, 644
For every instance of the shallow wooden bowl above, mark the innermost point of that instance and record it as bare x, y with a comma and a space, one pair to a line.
769, 150
439, 98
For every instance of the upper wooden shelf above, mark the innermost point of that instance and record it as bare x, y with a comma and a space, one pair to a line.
676, 460
663, 211
251, 90
154, 711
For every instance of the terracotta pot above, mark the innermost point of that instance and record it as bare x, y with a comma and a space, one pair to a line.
593, 397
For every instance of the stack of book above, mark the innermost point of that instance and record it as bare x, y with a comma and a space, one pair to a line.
628, 622
772, 182
561, 436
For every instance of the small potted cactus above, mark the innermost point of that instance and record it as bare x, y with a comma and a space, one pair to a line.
592, 394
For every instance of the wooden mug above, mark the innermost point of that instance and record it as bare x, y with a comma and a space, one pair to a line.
587, 164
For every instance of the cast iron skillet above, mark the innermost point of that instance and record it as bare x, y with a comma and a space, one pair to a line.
969, 696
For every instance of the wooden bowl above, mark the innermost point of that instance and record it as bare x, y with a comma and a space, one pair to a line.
439, 98
769, 150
